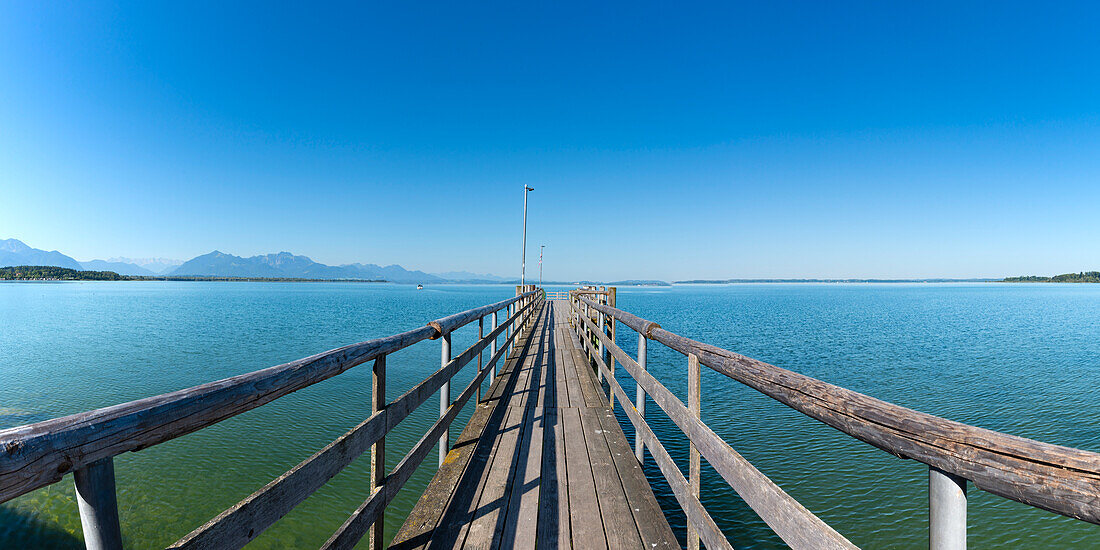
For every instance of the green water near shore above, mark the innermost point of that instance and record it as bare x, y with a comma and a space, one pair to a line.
1017, 358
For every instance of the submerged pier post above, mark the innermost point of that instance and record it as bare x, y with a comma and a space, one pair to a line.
946, 510
95, 497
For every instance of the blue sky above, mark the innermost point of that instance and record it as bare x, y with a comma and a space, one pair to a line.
664, 140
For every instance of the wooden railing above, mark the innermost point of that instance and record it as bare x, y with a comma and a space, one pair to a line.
1051, 477
37, 455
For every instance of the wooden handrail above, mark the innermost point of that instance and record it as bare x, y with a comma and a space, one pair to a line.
245, 520
1059, 479
36, 455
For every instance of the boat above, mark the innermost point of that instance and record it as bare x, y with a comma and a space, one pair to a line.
420, 287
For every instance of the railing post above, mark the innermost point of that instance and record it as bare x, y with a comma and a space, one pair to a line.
695, 464
445, 398
95, 497
602, 325
946, 510
611, 358
493, 350
639, 446
480, 337
378, 450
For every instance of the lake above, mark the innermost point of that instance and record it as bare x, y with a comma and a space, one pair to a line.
1022, 359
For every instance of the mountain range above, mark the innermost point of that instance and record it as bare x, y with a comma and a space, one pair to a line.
219, 264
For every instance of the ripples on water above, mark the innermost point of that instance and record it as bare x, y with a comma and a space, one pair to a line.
1016, 358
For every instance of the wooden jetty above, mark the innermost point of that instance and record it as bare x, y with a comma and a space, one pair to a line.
543, 462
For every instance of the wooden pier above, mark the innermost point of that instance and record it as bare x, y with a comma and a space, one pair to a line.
542, 458
543, 462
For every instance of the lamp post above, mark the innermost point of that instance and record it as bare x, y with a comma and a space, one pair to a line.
523, 261
542, 246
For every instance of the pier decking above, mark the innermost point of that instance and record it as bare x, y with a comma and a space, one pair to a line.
542, 458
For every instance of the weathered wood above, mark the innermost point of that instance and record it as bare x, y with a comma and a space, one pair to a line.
39, 454
471, 452
1051, 477
618, 518
553, 519
239, 524
639, 402
694, 464
378, 450
796, 525
639, 494
98, 504
356, 526
450, 323
584, 510
520, 522
697, 515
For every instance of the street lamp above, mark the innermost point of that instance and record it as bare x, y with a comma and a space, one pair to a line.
542, 246
523, 261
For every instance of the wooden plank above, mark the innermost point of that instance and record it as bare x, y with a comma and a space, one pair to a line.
618, 518
486, 513
553, 518
584, 509
796, 525
520, 522
472, 453
650, 519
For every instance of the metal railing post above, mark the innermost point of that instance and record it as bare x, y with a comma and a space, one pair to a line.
946, 510
695, 464
639, 446
98, 504
493, 350
444, 397
378, 450
599, 376
480, 337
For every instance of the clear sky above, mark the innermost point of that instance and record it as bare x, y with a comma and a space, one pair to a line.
670, 140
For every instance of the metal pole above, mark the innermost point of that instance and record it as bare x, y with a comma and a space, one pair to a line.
480, 337
493, 350
523, 262
541, 247
695, 464
95, 497
378, 450
946, 510
602, 321
639, 446
444, 398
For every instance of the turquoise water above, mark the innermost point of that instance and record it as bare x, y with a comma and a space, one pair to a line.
1018, 358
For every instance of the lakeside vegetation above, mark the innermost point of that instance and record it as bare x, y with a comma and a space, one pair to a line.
51, 273
1080, 277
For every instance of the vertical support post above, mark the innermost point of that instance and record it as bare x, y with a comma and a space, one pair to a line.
639, 403
695, 464
602, 325
946, 510
493, 350
611, 358
98, 504
445, 398
480, 337
378, 450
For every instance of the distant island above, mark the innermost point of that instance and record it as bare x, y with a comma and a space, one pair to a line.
51, 273
1082, 277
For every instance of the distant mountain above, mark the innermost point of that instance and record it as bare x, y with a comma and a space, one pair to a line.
14, 253
460, 276
122, 268
285, 264
156, 265
395, 273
